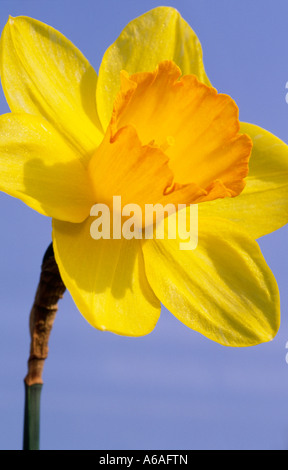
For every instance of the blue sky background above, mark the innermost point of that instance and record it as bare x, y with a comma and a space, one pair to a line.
173, 389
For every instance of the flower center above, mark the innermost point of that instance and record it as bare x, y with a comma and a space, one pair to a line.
170, 140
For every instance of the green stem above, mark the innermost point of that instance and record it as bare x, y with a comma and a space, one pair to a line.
32, 417
50, 290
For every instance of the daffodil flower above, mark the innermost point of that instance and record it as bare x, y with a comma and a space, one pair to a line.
150, 128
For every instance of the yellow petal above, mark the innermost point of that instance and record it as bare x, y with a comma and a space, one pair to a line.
222, 289
38, 167
43, 73
197, 127
263, 205
160, 34
106, 279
